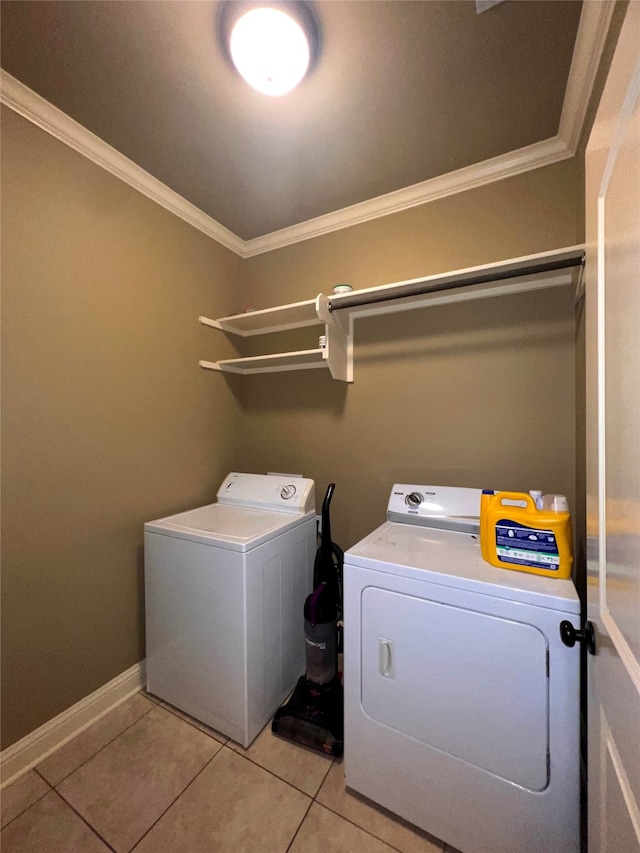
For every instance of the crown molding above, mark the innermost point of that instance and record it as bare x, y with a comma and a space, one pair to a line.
44, 115
504, 166
594, 24
595, 19
593, 27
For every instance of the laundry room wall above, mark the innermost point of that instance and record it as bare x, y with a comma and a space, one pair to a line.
477, 394
107, 419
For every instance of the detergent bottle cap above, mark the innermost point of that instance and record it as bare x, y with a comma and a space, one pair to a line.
555, 503
536, 494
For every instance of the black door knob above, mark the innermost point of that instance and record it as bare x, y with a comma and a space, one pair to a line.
570, 636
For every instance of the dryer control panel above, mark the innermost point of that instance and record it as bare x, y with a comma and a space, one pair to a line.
275, 492
444, 507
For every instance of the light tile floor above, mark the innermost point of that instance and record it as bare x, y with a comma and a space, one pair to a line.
147, 778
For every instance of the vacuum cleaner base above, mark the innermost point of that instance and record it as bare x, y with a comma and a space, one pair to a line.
313, 717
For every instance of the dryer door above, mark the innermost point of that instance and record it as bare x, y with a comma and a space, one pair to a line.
467, 683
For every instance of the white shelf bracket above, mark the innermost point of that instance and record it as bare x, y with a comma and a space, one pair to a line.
331, 318
208, 322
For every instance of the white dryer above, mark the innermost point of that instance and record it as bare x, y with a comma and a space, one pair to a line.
225, 586
461, 701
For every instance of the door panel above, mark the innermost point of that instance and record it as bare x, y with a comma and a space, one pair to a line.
619, 223
472, 685
619, 834
613, 450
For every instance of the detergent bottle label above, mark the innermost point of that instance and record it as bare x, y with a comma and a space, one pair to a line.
526, 546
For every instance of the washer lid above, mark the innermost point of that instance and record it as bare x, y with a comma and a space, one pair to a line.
453, 559
235, 528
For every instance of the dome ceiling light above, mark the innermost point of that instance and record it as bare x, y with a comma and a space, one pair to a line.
271, 48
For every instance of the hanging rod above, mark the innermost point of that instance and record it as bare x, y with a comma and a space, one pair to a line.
518, 270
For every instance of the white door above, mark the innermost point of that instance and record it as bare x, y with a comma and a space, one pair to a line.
613, 451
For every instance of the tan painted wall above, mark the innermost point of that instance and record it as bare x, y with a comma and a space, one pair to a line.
478, 394
107, 419
108, 422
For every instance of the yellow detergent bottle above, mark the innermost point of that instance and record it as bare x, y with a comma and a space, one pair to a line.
516, 534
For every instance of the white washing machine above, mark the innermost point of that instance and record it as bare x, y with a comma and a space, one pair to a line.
225, 586
461, 701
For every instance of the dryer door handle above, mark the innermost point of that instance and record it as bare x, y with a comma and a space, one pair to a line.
386, 658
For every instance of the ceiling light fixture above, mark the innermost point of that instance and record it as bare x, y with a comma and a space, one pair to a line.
271, 49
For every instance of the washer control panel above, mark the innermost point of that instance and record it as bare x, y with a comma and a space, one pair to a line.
447, 507
274, 492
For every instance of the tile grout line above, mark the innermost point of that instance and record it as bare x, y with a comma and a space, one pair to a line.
35, 770
171, 710
177, 716
104, 746
244, 753
373, 835
366, 831
85, 821
175, 800
233, 752
41, 797
272, 773
324, 779
266, 770
304, 817
313, 798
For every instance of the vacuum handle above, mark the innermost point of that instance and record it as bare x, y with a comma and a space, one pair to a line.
325, 536
327, 497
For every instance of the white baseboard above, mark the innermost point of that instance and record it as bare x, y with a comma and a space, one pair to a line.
36, 746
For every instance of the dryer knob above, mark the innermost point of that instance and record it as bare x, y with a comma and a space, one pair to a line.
287, 492
413, 499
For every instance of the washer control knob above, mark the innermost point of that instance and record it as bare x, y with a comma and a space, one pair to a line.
413, 500
287, 492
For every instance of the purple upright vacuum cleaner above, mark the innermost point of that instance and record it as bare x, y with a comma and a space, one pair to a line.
314, 715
